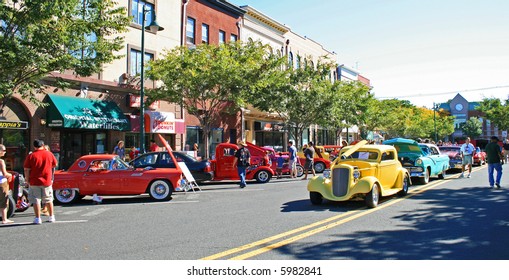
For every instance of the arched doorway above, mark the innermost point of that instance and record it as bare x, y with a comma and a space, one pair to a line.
14, 133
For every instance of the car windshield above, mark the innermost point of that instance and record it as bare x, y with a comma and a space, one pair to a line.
449, 149
364, 155
183, 156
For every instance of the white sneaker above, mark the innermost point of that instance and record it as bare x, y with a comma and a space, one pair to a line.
51, 219
469, 175
37, 221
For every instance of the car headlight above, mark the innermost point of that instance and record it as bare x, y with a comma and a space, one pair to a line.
418, 161
356, 174
326, 173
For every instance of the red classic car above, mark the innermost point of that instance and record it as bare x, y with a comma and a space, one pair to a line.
273, 156
479, 157
109, 175
225, 170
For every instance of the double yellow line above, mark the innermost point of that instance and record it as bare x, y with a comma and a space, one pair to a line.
311, 229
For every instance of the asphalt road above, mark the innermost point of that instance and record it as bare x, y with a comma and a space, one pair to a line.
452, 219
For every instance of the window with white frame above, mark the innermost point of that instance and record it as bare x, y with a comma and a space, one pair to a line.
191, 31
137, 7
135, 61
205, 33
222, 37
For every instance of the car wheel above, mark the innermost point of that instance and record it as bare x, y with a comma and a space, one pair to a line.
319, 167
316, 198
300, 170
442, 175
11, 206
160, 190
373, 196
22, 204
263, 176
425, 180
66, 196
406, 185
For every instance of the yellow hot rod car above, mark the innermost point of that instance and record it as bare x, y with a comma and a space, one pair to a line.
361, 172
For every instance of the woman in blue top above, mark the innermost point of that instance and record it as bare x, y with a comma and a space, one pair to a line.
119, 150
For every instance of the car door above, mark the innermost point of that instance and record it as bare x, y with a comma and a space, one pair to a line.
224, 164
102, 180
388, 170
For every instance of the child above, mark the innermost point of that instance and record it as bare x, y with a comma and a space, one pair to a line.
279, 167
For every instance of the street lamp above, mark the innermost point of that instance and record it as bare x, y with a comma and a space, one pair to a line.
153, 27
435, 108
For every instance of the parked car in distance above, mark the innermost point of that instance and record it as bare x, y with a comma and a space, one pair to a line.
321, 160
479, 157
107, 174
361, 172
201, 170
274, 156
332, 150
453, 152
423, 160
224, 169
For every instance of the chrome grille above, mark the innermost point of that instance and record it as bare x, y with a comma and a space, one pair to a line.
340, 181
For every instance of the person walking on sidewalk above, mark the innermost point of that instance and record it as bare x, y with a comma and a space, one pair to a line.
39, 167
494, 158
467, 152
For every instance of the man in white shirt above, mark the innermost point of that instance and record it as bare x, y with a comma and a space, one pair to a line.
467, 152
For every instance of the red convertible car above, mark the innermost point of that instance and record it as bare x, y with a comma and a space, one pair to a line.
109, 175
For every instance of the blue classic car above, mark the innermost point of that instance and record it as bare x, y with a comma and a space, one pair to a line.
422, 160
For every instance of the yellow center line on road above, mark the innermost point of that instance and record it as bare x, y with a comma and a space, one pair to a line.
350, 215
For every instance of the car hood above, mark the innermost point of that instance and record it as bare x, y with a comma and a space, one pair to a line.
405, 147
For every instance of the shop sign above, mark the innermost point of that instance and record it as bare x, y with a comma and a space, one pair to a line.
273, 127
162, 122
13, 125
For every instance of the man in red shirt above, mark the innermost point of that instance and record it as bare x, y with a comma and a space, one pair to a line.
39, 168
153, 146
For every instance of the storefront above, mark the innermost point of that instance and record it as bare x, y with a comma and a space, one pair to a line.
81, 126
163, 123
270, 134
14, 134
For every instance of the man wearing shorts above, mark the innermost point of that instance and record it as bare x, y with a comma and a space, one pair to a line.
467, 152
39, 167
292, 163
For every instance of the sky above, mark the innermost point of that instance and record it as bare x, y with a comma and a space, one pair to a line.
425, 51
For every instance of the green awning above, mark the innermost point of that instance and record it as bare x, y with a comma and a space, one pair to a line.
84, 113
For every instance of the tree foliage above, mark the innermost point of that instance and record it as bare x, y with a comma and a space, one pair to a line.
210, 80
496, 112
38, 37
472, 128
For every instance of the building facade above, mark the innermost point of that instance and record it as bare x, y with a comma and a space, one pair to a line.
462, 110
97, 111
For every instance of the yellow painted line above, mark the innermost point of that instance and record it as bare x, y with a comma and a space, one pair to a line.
329, 226
294, 231
281, 235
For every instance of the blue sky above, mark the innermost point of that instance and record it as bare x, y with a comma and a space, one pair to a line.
424, 51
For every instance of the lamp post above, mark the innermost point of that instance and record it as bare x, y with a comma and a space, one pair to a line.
153, 27
435, 107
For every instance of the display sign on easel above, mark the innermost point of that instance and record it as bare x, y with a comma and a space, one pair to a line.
191, 182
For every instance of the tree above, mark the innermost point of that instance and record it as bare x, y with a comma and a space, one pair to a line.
472, 128
351, 102
210, 80
496, 112
39, 37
